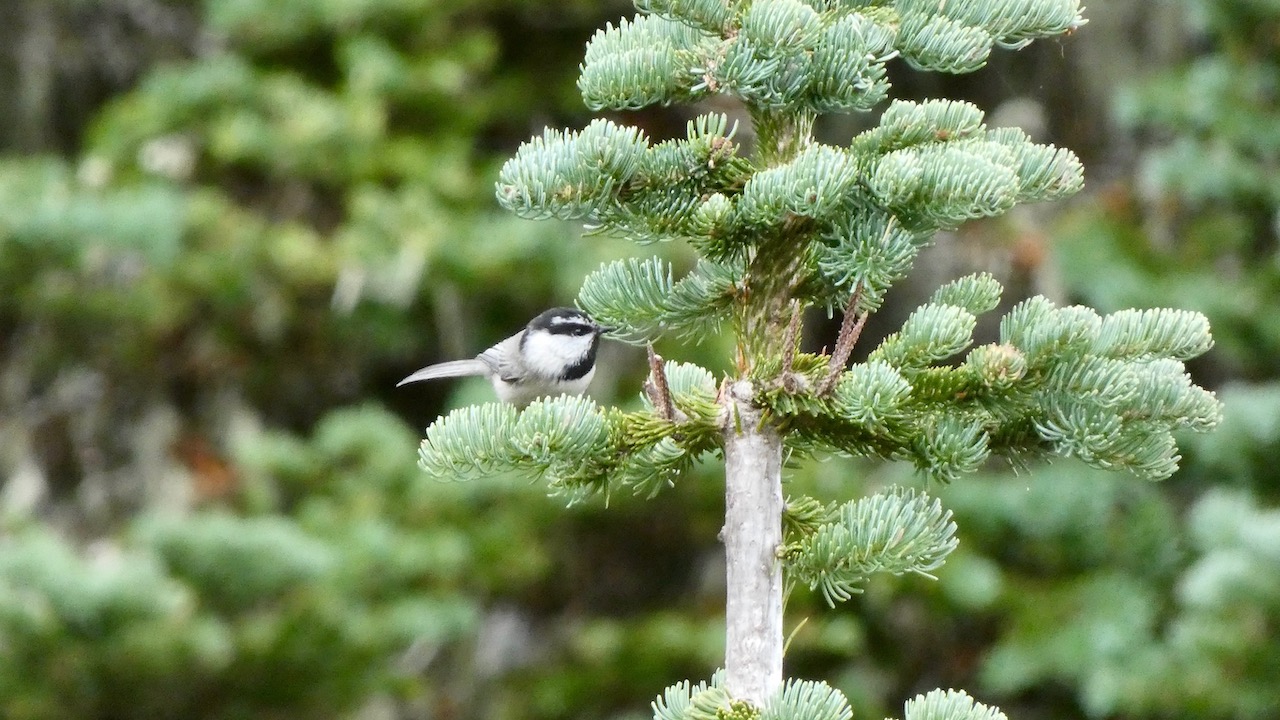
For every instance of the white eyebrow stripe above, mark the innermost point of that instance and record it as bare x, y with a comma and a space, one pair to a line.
573, 320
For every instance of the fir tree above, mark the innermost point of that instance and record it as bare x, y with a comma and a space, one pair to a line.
791, 224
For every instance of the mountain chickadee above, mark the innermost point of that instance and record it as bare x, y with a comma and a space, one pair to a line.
554, 354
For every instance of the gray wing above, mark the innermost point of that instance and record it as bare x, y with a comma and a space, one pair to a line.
503, 359
453, 368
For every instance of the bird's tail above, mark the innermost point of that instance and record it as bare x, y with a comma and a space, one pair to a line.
453, 368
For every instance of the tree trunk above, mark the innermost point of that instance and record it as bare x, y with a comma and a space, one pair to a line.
752, 537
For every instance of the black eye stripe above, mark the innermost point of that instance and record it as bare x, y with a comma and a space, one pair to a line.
569, 329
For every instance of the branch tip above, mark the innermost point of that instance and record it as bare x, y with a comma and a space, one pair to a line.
656, 387
788, 379
850, 329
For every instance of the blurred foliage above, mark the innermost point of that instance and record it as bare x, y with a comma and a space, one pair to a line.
218, 615
210, 506
1203, 211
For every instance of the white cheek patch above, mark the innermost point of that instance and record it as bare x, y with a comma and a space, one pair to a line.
548, 355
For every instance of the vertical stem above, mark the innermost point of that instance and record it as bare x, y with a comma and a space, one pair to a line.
752, 537
780, 254
780, 136
752, 531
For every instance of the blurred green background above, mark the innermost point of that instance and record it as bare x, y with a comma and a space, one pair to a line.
227, 228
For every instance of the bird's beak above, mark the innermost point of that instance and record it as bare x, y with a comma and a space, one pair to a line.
605, 329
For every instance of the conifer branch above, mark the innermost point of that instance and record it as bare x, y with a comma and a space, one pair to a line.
850, 329
897, 532
949, 704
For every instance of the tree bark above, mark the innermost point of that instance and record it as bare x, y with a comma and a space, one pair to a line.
752, 537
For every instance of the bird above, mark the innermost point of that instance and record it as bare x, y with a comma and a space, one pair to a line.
554, 354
